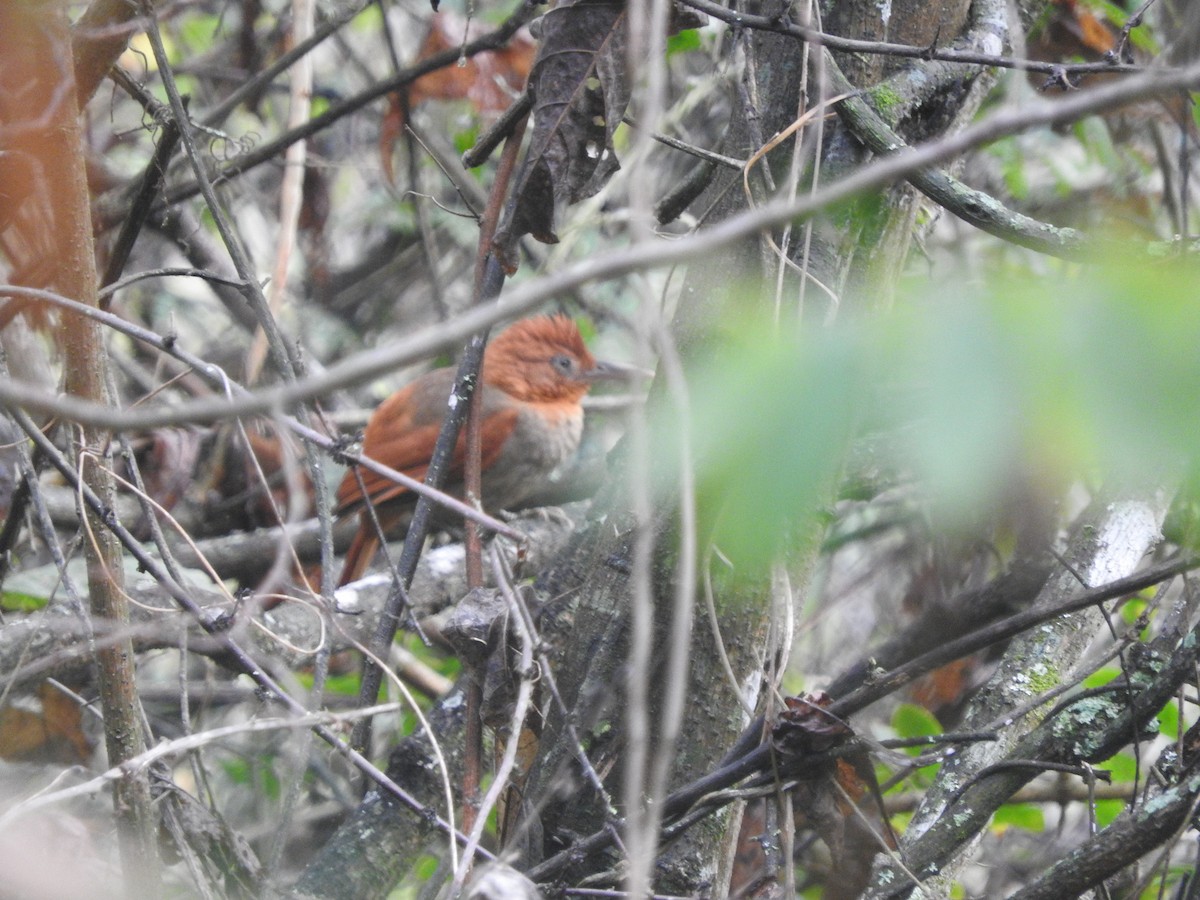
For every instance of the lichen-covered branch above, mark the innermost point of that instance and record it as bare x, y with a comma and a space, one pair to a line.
1109, 541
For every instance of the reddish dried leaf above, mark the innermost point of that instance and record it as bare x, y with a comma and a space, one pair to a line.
314, 216
489, 81
852, 781
852, 835
945, 686
169, 467
749, 861
45, 727
215, 471
1072, 31
269, 456
1089, 30
391, 126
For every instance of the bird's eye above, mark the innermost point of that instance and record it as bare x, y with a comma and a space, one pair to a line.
563, 363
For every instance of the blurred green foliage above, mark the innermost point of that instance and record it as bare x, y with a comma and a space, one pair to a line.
1026, 816
1168, 722
1090, 373
683, 42
912, 721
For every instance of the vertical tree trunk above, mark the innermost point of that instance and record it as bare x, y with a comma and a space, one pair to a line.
36, 42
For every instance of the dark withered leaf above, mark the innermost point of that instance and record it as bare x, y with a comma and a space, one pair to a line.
475, 622
579, 92
805, 727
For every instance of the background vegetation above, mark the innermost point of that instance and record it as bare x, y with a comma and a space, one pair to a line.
880, 586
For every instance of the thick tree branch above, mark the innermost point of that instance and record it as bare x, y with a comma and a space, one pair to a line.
972, 206
786, 26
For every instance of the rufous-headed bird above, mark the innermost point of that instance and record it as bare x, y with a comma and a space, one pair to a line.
534, 375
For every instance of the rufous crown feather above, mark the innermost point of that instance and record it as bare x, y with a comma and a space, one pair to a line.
540, 360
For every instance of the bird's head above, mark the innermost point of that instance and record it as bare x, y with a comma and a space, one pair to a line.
542, 360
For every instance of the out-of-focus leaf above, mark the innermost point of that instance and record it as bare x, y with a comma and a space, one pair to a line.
197, 33
464, 140
683, 42
237, 770
965, 390
31, 589
1026, 816
1095, 137
1107, 810
1092, 374
771, 420
1088, 374
1168, 721
29, 595
1122, 767
912, 721
1101, 677
1132, 608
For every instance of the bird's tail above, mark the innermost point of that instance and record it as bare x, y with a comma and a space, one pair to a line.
358, 557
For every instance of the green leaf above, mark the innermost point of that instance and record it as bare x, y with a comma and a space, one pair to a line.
1095, 137
268, 779
236, 770
1082, 373
18, 601
1012, 166
1168, 721
465, 139
683, 42
1026, 816
196, 33
968, 410
1132, 608
346, 685
1101, 677
1122, 767
912, 721
1107, 810
1085, 373
369, 21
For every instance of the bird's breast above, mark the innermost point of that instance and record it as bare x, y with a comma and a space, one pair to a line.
543, 438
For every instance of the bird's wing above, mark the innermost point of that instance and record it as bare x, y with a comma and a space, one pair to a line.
408, 450
396, 433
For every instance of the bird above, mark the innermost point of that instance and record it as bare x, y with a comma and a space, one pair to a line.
533, 378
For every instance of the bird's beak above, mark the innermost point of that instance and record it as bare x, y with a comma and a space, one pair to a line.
606, 371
